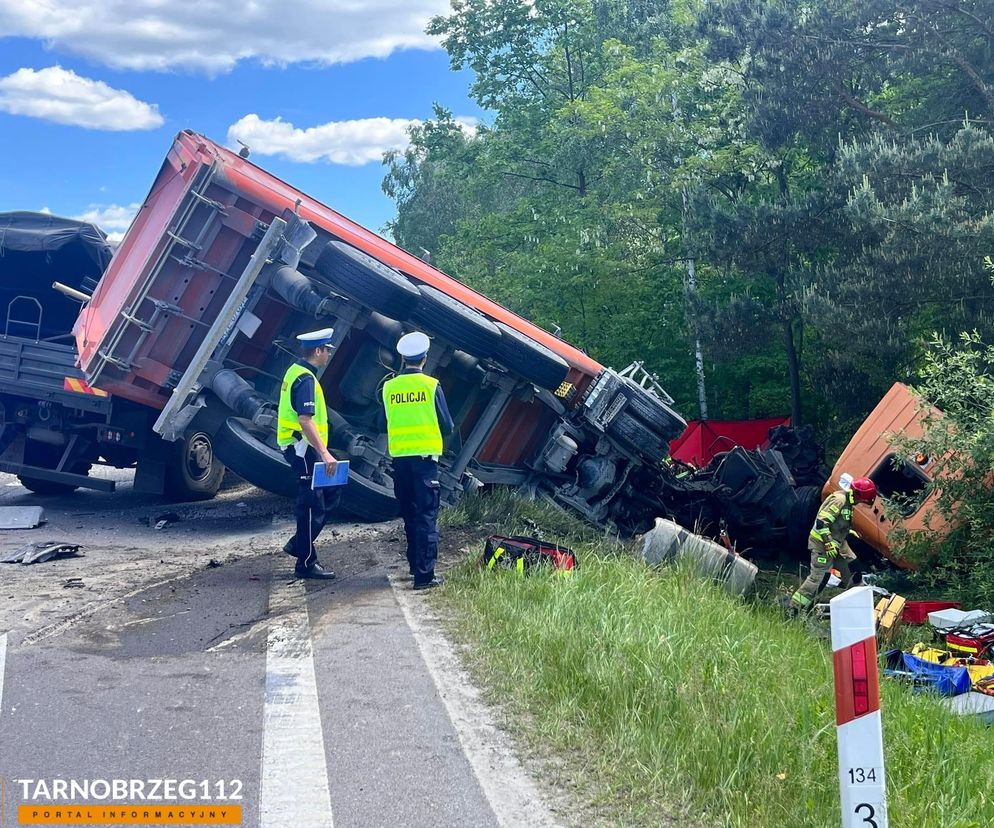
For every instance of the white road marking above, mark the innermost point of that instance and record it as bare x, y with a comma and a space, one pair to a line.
513, 796
3, 665
294, 768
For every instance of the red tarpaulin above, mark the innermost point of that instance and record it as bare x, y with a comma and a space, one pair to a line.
703, 439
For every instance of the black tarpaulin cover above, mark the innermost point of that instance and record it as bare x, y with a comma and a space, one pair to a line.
37, 249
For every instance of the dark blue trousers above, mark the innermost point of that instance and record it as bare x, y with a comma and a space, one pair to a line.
312, 508
415, 485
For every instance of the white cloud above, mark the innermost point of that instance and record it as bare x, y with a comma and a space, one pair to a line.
213, 35
113, 219
60, 95
341, 142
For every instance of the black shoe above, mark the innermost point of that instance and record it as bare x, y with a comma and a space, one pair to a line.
437, 581
315, 571
288, 548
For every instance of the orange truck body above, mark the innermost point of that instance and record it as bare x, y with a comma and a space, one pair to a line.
870, 453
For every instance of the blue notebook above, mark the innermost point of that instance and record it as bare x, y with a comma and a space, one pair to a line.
321, 479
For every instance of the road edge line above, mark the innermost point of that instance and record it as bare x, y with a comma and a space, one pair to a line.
514, 797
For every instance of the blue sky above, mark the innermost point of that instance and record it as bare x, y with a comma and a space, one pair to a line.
90, 101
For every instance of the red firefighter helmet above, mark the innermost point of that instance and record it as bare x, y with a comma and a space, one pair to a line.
864, 490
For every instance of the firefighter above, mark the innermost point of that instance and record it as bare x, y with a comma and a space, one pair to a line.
302, 434
417, 418
828, 542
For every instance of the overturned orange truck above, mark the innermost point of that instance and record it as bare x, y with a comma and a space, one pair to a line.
904, 482
225, 263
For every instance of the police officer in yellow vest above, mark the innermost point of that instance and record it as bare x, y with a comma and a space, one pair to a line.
417, 419
302, 434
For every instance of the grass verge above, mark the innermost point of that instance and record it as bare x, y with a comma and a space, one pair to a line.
662, 695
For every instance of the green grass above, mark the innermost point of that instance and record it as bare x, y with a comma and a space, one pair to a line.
661, 694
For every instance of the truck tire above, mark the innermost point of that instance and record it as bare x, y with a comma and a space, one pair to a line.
47, 457
367, 280
638, 437
653, 412
368, 501
462, 326
242, 448
802, 518
529, 359
193, 470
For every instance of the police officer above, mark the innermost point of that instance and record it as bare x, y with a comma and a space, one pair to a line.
302, 434
417, 419
828, 541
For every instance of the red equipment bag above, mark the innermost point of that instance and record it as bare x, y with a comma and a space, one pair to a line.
522, 554
971, 643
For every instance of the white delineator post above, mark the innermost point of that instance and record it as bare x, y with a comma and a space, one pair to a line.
857, 710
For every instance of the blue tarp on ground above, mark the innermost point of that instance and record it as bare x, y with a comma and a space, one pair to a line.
929, 677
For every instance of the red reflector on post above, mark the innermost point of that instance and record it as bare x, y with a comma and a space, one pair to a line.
860, 685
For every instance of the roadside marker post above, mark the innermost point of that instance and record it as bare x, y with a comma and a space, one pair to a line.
857, 710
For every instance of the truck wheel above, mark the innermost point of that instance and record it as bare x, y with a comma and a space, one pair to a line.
637, 437
802, 518
193, 470
653, 412
367, 280
47, 457
368, 501
241, 447
460, 325
530, 359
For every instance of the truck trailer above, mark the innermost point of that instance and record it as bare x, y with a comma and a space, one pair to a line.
54, 426
224, 263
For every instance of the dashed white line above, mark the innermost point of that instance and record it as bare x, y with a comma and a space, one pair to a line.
513, 796
294, 787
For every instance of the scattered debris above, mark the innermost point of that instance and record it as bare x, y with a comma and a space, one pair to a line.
73, 583
916, 612
214, 563
163, 520
41, 551
21, 517
668, 541
980, 705
887, 615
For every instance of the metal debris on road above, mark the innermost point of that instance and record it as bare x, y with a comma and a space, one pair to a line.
21, 517
41, 551
73, 583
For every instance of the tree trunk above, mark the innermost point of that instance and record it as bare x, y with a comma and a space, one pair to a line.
794, 371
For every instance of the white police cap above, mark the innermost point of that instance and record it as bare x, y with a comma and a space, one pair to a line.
413, 346
315, 339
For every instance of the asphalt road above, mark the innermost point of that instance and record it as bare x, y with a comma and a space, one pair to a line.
318, 702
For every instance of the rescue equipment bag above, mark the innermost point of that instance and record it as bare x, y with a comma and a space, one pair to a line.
523, 554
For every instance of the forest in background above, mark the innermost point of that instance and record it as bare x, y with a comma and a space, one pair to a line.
799, 192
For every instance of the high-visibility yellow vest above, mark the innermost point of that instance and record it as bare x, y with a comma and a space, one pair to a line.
288, 428
412, 422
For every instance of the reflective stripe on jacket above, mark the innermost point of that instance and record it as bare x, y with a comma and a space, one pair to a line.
412, 421
832, 523
288, 429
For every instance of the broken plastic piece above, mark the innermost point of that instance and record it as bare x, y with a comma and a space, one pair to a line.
21, 517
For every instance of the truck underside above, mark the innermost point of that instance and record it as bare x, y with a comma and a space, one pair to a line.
238, 263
